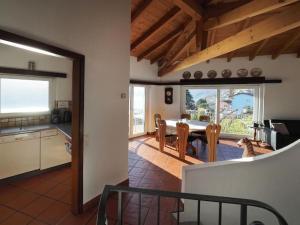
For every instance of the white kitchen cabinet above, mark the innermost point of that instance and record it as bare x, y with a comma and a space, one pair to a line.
53, 151
19, 154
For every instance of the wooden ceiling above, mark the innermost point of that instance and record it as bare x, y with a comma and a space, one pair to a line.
172, 32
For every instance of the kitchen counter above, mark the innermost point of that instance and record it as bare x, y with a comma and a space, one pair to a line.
65, 128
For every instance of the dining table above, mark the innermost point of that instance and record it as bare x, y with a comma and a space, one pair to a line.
194, 125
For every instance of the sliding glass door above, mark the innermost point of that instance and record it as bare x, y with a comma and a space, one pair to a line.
234, 108
137, 114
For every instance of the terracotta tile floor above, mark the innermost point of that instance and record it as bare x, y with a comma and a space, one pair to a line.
45, 199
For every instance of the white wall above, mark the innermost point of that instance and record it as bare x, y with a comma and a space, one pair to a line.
18, 58
100, 30
268, 178
281, 100
142, 70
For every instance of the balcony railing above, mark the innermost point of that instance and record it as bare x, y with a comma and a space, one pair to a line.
243, 203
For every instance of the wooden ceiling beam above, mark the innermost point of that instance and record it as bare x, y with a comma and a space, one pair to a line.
155, 59
139, 9
159, 25
179, 52
286, 45
187, 26
230, 55
184, 47
215, 10
258, 49
191, 7
244, 25
204, 39
161, 56
199, 34
248, 10
162, 42
211, 37
279, 23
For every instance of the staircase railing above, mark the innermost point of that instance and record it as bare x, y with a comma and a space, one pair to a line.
243, 203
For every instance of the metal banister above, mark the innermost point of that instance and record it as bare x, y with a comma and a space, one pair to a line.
244, 203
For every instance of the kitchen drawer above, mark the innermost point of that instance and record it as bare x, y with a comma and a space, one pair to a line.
48, 133
19, 137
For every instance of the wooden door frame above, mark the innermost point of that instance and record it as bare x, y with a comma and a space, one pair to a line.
77, 110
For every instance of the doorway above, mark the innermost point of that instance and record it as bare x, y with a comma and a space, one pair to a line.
137, 110
78, 61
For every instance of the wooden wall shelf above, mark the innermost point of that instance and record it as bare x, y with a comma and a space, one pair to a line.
22, 72
216, 81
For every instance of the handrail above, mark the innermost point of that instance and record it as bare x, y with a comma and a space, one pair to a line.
180, 195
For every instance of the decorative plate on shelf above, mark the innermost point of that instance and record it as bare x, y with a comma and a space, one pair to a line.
186, 75
226, 73
198, 75
242, 73
212, 74
256, 72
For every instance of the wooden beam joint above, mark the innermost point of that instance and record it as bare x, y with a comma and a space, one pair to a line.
190, 7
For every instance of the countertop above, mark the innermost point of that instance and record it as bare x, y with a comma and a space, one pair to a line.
65, 128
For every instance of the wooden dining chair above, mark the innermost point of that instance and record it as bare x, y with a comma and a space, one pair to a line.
204, 118
212, 135
163, 136
182, 130
185, 116
157, 118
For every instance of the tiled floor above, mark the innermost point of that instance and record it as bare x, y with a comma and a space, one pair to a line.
45, 199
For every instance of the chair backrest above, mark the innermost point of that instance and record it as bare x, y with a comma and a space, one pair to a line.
185, 116
162, 127
212, 134
157, 118
182, 130
204, 118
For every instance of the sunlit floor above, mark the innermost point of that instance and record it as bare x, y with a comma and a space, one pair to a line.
146, 148
45, 199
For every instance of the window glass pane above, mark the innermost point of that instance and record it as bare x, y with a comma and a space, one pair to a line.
24, 95
201, 102
236, 111
139, 104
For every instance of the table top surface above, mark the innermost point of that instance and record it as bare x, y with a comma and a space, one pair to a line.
194, 125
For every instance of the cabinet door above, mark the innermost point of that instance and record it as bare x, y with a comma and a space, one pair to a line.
53, 152
19, 157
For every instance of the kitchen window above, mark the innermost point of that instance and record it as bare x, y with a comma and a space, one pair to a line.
22, 95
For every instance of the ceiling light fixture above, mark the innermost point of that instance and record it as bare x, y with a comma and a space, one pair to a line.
28, 48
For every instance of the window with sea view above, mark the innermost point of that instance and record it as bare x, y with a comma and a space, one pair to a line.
233, 108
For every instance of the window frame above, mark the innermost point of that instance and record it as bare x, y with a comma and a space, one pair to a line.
51, 95
258, 101
130, 101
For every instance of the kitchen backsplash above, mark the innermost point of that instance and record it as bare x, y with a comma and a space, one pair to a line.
24, 121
